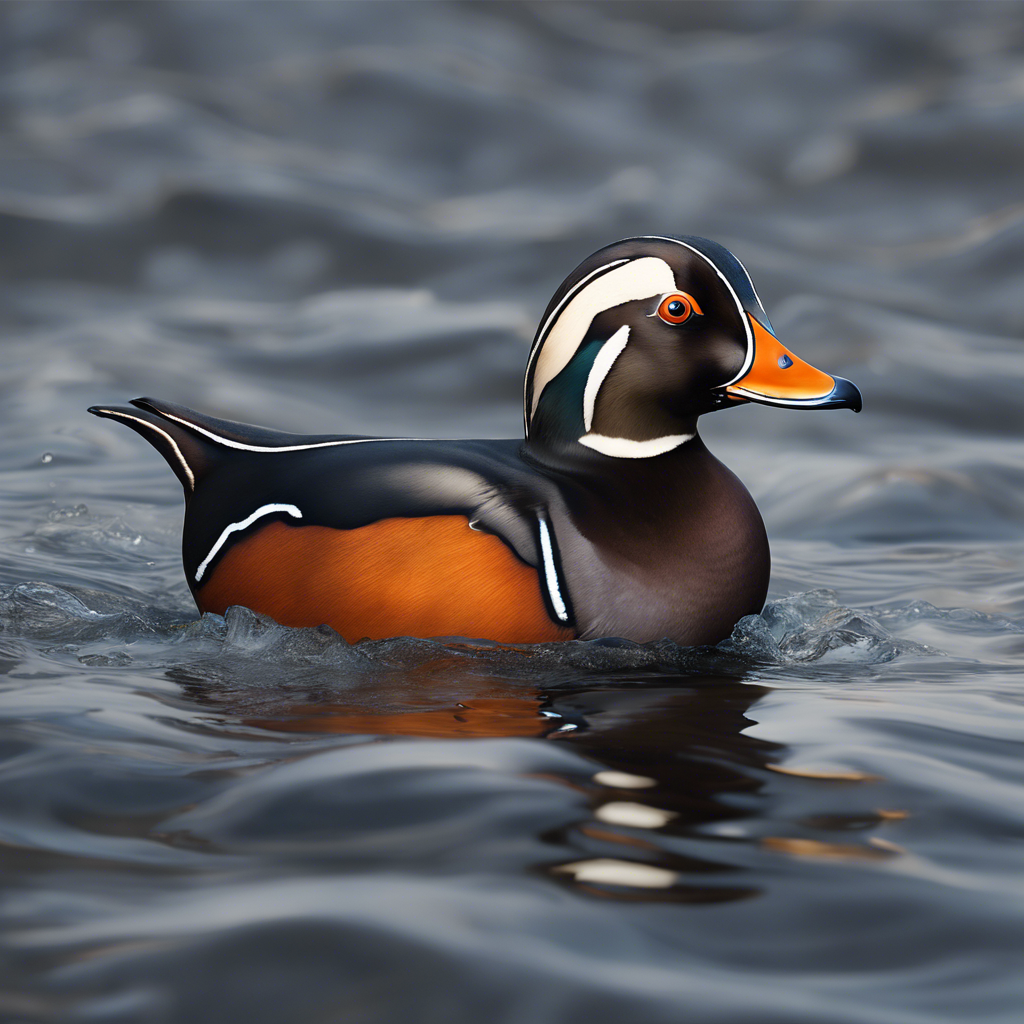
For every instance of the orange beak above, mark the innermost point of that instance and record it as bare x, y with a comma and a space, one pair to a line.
777, 377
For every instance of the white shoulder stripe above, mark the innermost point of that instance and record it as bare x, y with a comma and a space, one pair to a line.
263, 510
551, 571
228, 443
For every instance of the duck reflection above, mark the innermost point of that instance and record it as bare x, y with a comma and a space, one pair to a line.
449, 696
678, 769
673, 766
444, 697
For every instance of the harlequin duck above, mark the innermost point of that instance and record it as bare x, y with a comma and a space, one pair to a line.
611, 517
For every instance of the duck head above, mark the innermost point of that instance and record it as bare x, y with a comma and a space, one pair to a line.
646, 335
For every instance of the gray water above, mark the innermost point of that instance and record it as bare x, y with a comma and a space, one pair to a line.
336, 217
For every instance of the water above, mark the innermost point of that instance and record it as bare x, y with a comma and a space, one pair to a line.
348, 218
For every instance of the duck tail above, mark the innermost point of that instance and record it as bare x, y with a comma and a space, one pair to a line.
168, 429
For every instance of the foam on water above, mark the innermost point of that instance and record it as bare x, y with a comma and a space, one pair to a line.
802, 629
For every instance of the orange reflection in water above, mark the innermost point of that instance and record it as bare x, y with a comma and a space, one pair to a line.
445, 697
486, 716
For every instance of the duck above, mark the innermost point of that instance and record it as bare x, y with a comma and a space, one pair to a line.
608, 518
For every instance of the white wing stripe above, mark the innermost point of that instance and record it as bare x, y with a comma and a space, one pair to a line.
263, 510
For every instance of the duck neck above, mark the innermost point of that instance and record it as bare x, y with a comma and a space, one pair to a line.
682, 497
631, 478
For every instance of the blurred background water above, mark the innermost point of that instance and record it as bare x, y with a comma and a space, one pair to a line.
335, 217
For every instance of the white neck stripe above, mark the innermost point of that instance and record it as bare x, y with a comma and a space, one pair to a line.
627, 448
263, 510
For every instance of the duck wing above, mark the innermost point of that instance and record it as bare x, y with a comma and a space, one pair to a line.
239, 479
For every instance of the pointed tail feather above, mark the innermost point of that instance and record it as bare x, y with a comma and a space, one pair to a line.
187, 452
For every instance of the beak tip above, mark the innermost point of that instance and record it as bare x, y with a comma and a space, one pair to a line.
845, 395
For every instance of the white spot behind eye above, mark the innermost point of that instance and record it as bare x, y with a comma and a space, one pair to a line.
603, 362
638, 279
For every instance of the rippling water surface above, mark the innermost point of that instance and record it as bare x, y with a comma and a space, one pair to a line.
348, 217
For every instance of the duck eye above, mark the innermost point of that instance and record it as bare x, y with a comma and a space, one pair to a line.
677, 308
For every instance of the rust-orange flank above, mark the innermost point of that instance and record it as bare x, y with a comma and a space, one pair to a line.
425, 577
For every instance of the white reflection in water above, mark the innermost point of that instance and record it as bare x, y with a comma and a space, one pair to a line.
624, 780
622, 812
606, 871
